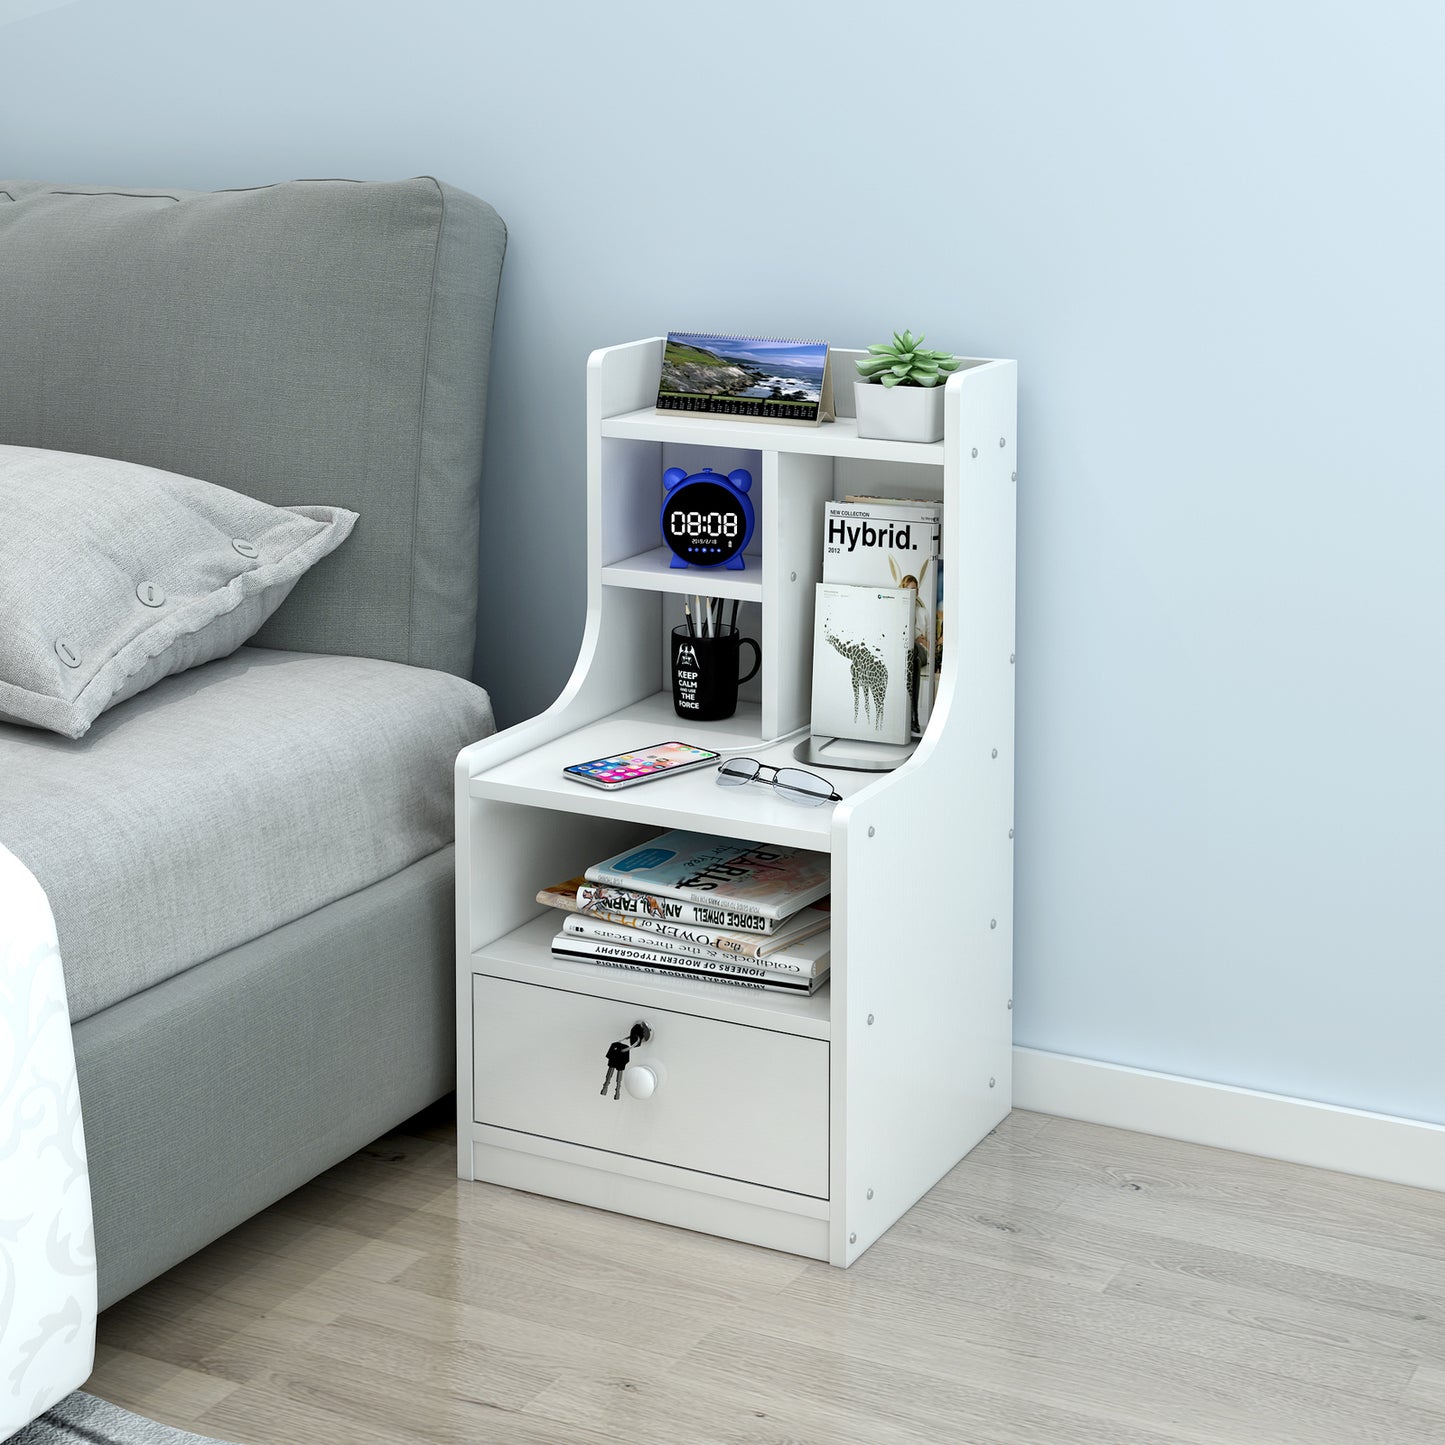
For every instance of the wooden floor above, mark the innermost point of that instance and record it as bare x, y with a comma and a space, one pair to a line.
1065, 1283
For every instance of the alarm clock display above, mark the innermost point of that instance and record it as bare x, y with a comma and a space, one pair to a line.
707, 518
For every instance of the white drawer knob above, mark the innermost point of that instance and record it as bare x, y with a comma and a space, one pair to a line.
640, 1081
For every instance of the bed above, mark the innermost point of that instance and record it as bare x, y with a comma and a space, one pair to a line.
249, 863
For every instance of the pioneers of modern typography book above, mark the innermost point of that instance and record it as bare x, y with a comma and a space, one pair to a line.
746, 935
726, 873
586, 950
863, 639
881, 542
808, 958
763, 378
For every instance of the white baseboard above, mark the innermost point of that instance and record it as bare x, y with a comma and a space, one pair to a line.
1378, 1146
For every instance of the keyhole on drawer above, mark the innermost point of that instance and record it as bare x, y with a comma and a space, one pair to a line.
619, 1055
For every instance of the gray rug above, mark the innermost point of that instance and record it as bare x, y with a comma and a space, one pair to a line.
82, 1419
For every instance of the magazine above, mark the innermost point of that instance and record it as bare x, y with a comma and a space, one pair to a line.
581, 950
747, 935
892, 542
730, 874
862, 644
808, 958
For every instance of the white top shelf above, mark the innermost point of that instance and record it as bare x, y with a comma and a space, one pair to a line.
832, 439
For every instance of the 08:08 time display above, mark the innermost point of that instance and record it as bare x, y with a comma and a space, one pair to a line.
705, 524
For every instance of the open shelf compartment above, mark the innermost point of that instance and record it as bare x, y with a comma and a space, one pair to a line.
525, 955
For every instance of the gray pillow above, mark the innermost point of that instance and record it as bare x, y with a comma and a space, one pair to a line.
113, 576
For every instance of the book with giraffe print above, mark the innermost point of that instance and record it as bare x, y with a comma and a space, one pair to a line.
862, 641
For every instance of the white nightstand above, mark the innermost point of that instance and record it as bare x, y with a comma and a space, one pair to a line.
804, 1124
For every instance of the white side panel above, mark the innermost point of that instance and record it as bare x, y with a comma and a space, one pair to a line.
631, 496
923, 879
795, 488
623, 378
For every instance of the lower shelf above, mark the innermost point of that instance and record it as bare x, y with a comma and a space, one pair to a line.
525, 955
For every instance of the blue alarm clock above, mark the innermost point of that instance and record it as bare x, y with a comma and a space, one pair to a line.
707, 518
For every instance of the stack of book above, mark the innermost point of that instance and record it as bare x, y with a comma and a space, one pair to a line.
692, 905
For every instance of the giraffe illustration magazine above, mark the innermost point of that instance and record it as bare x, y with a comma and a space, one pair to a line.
700, 925
893, 542
862, 645
727, 874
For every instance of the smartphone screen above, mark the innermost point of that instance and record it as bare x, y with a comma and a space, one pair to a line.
637, 767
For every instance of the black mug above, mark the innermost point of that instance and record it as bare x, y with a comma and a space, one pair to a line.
705, 677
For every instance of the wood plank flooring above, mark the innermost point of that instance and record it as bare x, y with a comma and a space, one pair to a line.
1066, 1283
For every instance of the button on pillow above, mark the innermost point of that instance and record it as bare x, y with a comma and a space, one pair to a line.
114, 575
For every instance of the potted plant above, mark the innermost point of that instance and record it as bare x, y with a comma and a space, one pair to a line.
898, 394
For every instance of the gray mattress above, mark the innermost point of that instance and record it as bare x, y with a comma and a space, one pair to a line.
214, 1093
228, 801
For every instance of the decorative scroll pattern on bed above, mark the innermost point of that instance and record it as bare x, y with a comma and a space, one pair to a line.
47, 1257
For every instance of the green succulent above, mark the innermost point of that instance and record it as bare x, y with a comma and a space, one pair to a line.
906, 363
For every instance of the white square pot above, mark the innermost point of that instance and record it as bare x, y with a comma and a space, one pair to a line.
899, 413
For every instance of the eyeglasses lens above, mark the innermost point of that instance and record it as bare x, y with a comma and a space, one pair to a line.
737, 771
800, 787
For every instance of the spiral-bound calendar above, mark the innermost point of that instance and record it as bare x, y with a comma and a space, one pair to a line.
757, 377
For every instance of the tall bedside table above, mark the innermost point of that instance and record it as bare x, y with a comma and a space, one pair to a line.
804, 1124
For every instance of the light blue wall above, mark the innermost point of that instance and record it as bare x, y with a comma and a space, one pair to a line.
1212, 234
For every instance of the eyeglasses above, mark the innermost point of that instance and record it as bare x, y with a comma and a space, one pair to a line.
791, 783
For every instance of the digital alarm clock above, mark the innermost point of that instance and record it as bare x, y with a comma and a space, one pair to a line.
707, 518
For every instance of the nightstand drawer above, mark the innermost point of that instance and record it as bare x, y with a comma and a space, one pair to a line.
745, 1103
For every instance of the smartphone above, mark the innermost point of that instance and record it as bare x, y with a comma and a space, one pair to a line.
642, 766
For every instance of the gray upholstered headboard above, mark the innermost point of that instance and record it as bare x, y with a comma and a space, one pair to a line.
321, 342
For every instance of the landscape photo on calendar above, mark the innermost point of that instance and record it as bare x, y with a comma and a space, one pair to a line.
750, 370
